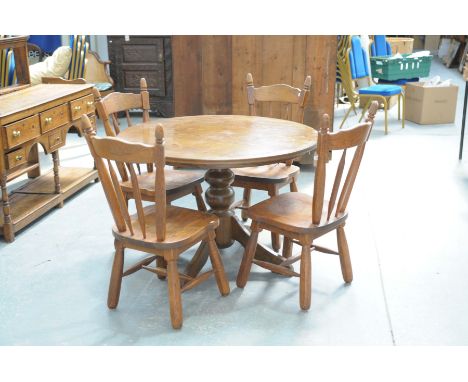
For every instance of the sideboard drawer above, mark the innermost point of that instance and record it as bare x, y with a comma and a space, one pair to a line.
55, 140
55, 117
81, 106
16, 158
22, 131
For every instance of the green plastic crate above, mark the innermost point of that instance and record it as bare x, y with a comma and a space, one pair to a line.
389, 69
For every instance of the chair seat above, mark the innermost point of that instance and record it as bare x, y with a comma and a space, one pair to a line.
292, 211
272, 173
176, 180
195, 225
383, 90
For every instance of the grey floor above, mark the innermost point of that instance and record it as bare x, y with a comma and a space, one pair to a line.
407, 233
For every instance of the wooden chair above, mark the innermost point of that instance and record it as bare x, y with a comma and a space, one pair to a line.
86, 65
302, 219
278, 100
179, 183
159, 229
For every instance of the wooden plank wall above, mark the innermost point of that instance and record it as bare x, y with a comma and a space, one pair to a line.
209, 71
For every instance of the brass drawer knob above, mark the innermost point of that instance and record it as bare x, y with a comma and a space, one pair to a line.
57, 139
90, 103
16, 133
48, 120
77, 108
18, 157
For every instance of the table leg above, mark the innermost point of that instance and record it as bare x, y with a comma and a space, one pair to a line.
199, 259
8, 232
56, 161
220, 196
241, 234
460, 153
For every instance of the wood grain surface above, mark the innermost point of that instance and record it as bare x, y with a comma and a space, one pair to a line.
226, 141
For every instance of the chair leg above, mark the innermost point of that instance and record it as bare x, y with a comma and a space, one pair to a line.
246, 203
345, 260
247, 259
403, 111
305, 278
161, 263
173, 286
287, 247
386, 115
365, 109
346, 116
116, 276
293, 185
217, 265
399, 99
199, 198
275, 237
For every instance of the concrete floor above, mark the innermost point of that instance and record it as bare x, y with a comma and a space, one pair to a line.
407, 234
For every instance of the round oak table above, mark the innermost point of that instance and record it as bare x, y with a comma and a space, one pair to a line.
221, 142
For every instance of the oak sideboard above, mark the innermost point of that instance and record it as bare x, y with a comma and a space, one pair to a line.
40, 114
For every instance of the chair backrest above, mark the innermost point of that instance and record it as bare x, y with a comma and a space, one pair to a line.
341, 140
278, 100
35, 54
109, 106
343, 44
380, 46
79, 46
107, 153
343, 67
358, 60
7, 68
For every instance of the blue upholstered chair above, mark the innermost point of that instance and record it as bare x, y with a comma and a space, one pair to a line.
357, 67
380, 46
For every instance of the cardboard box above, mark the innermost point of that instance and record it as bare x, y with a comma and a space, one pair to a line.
430, 105
418, 43
431, 43
401, 44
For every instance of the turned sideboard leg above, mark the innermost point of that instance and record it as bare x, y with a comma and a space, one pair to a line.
220, 196
56, 161
8, 232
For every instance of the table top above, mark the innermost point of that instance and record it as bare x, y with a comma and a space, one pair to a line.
226, 141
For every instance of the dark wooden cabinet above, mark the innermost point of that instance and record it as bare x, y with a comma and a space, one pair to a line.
134, 57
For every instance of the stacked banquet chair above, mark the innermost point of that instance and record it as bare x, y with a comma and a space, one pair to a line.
354, 67
7, 67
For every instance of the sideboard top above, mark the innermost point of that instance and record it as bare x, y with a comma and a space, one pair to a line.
37, 95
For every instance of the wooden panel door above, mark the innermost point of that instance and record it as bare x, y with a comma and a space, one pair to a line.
134, 57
